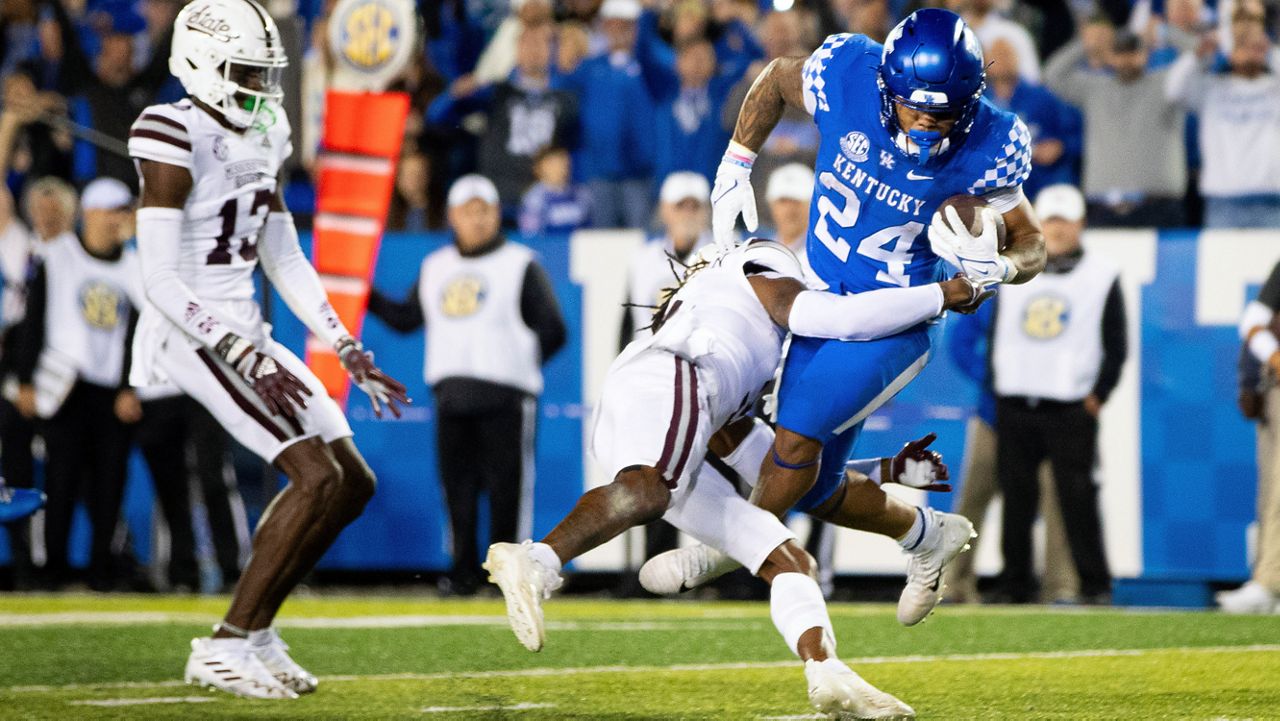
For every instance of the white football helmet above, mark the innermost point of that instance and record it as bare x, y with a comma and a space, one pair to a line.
228, 54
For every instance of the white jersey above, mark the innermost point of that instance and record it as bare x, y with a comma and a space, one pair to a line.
716, 321
234, 179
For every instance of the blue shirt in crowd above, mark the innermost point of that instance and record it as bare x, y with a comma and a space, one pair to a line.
617, 125
547, 211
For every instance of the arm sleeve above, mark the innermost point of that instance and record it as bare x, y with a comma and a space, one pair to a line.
401, 316
541, 311
29, 332
296, 280
1115, 343
864, 316
869, 467
158, 253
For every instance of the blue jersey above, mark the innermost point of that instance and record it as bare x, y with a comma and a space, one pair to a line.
872, 204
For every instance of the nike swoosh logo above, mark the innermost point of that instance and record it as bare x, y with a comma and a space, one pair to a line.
911, 175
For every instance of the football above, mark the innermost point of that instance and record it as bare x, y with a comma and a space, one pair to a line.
968, 207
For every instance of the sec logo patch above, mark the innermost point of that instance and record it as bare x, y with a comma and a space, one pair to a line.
100, 305
1046, 317
462, 296
855, 146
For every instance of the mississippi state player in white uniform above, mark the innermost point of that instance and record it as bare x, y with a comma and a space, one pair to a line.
717, 342
210, 212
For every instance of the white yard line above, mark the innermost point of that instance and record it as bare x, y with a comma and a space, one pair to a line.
465, 709
695, 667
111, 702
133, 618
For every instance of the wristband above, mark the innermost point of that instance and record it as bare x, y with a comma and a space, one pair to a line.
1262, 345
1010, 270
739, 154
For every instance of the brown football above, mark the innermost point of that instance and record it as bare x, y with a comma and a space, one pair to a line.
967, 207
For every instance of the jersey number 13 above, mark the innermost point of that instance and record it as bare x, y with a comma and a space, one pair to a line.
230, 213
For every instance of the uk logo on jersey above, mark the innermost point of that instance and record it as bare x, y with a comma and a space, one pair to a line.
855, 146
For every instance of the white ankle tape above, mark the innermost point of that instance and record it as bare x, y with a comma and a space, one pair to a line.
545, 555
747, 458
796, 605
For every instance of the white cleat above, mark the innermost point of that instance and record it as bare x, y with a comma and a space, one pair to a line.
1249, 598
228, 664
684, 569
838, 692
947, 535
524, 583
272, 651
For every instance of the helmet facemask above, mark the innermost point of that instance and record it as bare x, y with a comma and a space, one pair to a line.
248, 87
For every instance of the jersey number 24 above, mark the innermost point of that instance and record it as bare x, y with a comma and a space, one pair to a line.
891, 246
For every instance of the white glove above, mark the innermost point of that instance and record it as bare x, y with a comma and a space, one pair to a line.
977, 257
732, 195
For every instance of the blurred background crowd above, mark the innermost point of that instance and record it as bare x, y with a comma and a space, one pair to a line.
583, 114
578, 109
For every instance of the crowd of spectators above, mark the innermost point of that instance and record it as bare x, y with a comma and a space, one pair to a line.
579, 109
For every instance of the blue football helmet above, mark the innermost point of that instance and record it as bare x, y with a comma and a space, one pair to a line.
932, 62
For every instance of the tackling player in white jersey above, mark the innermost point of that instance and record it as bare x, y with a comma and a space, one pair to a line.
210, 211
717, 341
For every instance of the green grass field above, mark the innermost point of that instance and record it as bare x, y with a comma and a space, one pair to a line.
88, 657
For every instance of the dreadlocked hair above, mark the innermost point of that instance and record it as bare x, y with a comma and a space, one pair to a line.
666, 308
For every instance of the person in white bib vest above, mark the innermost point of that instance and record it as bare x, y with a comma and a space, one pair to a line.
79, 317
1058, 345
1259, 401
491, 321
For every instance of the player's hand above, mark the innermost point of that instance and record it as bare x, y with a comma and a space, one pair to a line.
977, 257
733, 195
964, 294
382, 389
918, 467
127, 407
1251, 405
26, 400
281, 391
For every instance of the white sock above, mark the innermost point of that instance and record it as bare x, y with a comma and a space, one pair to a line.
261, 637
796, 605
545, 557
911, 541
746, 459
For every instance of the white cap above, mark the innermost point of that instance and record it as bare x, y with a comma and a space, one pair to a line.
685, 184
620, 10
106, 194
1060, 201
792, 181
472, 187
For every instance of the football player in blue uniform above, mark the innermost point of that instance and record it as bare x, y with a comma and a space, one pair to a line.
903, 127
